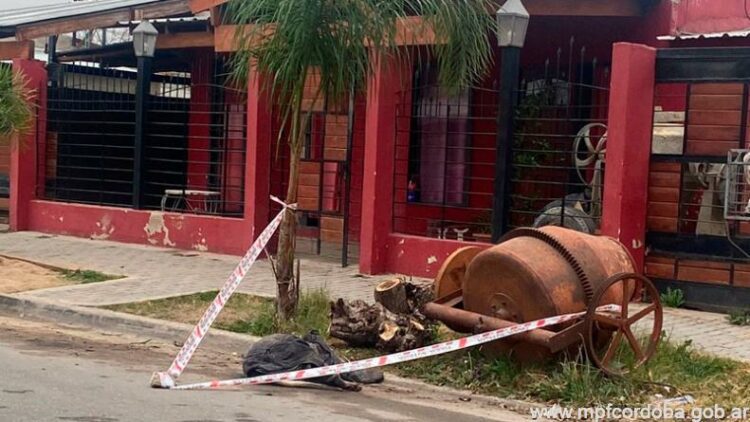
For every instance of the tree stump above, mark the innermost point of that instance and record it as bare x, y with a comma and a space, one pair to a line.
392, 295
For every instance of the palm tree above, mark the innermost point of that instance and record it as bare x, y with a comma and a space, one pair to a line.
15, 105
339, 41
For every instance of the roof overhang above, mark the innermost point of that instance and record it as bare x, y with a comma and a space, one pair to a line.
616, 8
37, 22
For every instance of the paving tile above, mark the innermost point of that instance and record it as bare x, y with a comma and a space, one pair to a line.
154, 273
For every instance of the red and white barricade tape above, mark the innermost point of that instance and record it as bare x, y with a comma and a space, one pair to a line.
167, 379
422, 352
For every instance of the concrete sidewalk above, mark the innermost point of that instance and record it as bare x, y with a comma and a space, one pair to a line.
154, 273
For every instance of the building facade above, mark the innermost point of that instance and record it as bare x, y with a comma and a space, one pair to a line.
399, 177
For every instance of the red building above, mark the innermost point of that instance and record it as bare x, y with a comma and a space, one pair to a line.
404, 174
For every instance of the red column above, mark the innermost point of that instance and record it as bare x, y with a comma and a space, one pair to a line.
631, 110
199, 123
24, 177
383, 89
258, 156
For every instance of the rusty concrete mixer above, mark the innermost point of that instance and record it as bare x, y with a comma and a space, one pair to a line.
538, 273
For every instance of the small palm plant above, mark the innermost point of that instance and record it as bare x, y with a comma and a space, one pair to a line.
340, 41
15, 105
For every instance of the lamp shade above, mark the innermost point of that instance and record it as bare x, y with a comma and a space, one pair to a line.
144, 39
512, 23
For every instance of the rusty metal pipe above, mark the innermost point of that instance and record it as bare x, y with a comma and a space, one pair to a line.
477, 323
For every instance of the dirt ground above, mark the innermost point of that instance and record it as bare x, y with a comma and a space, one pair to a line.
17, 276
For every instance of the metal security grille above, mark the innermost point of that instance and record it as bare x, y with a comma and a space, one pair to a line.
559, 142
698, 233
330, 178
88, 154
444, 159
194, 147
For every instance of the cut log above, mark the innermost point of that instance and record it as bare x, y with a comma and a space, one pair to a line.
402, 333
392, 295
363, 325
356, 322
418, 294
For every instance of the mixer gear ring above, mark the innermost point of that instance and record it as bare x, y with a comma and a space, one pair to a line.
583, 278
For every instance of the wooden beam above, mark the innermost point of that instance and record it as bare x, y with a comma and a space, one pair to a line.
62, 26
16, 50
202, 5
102, 19
618, 8
410, 31
162, 9
185, 40
224, 38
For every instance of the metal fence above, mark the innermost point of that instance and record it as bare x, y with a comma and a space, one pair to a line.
697, 199
194, 152
88, 154
444, 160
698, 225
446, 149
559, 142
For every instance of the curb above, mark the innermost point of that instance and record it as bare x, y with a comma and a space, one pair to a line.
168, 331
102, 319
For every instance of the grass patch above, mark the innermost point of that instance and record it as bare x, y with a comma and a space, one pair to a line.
242, 314
87, 276
673, 298
677, 369
741, 318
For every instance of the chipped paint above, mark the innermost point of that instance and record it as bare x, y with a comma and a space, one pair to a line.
177, 220
431, 260
105, 228
156, 226
637, 244
202, 245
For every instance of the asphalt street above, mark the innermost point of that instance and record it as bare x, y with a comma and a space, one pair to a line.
53, 374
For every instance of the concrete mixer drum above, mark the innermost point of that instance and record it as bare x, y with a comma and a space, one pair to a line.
538, 273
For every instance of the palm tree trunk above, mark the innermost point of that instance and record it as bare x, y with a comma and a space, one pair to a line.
287, 288
287, 293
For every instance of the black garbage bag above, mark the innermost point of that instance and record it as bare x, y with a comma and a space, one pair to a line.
284, 352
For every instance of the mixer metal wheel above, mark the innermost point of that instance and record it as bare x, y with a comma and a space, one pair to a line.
451, 276
619, 342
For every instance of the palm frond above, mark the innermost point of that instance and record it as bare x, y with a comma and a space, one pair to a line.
286, 39
15, 105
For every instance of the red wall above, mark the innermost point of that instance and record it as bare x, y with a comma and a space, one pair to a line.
707, 16
420, 256
184, 231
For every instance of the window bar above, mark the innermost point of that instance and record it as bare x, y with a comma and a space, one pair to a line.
348, 177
